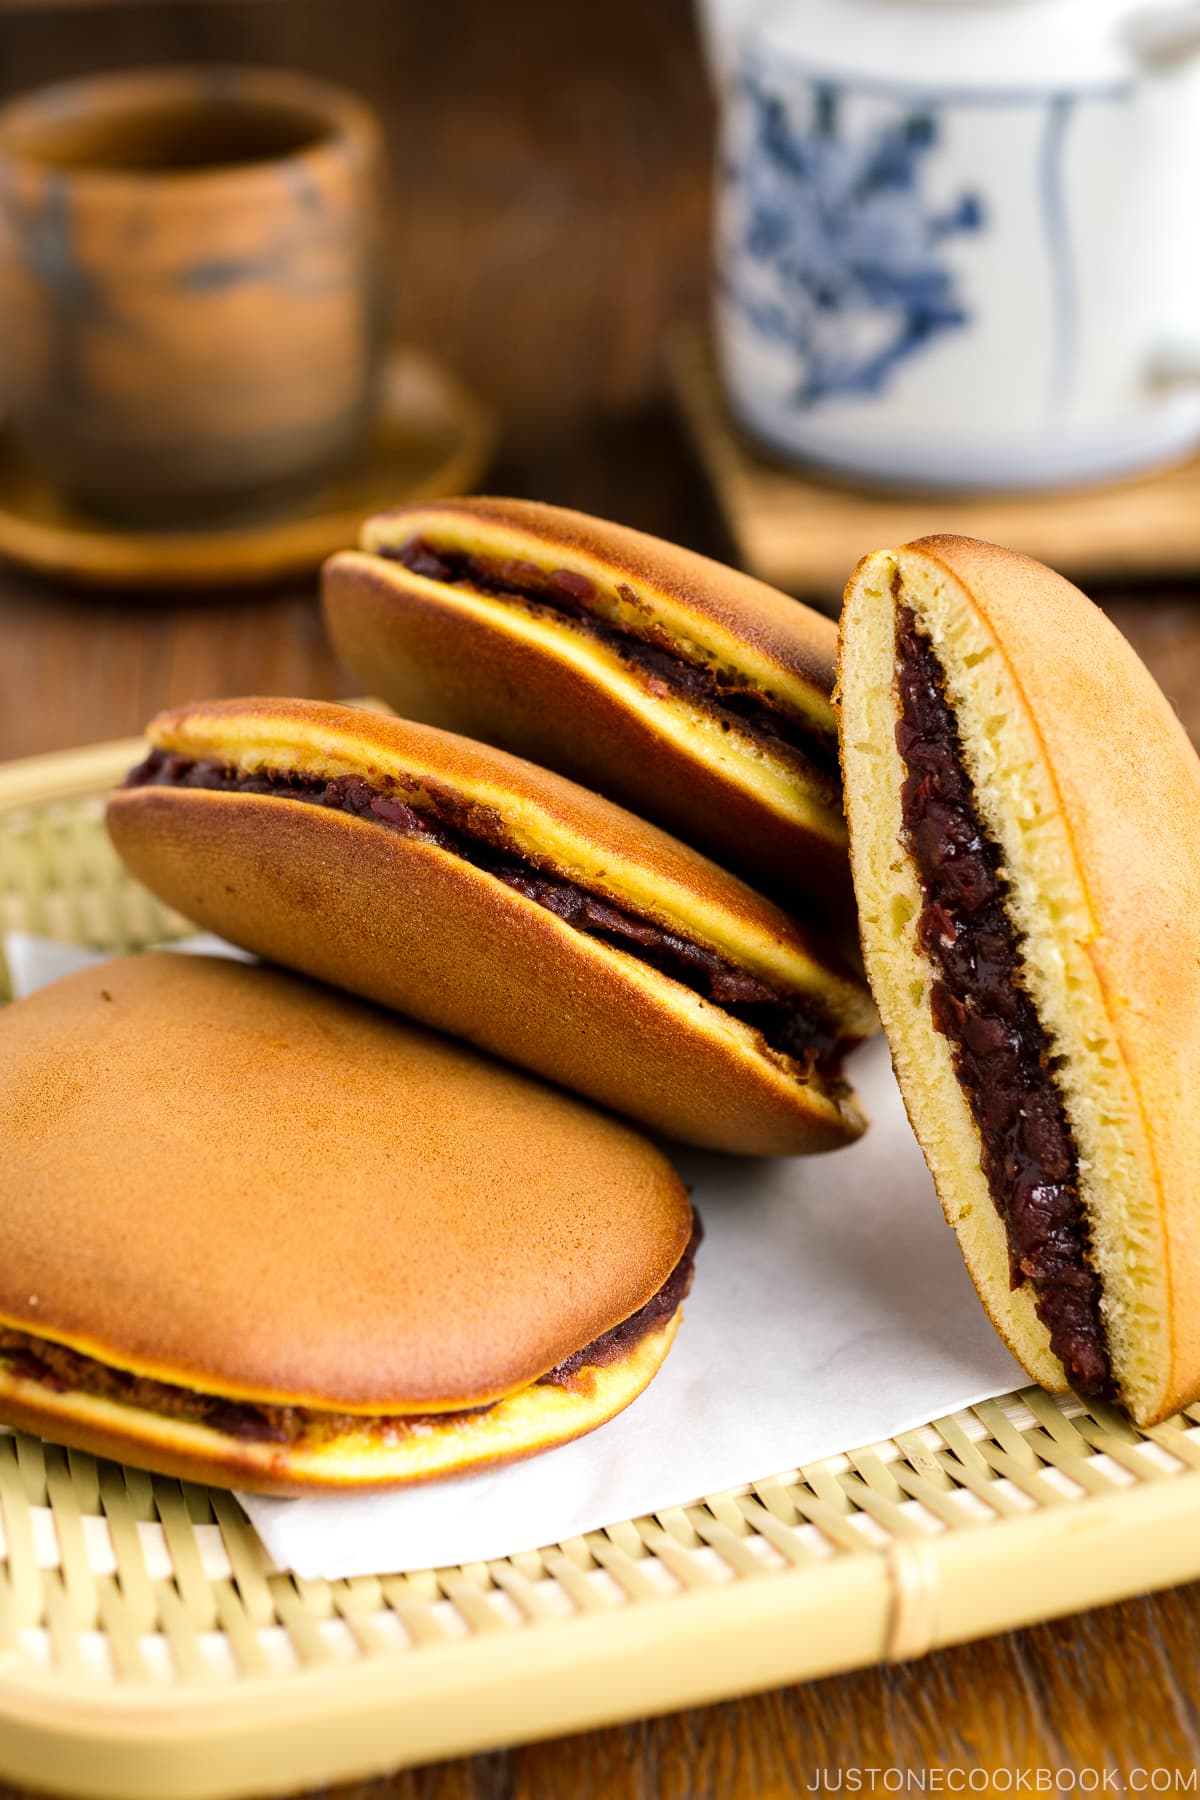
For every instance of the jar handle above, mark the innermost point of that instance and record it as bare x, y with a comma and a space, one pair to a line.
1162, 37
1175, 364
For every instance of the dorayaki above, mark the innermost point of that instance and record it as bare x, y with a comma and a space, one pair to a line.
680, 688
496, 901
260, 1234
1024, 811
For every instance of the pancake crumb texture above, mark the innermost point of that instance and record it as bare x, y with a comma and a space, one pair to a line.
1062, 943
890, 901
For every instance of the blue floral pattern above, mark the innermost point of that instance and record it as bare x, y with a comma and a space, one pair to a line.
838, 246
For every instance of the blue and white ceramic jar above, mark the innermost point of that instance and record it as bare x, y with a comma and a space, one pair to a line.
958, 241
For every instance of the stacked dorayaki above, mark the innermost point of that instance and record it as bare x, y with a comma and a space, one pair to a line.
410, 1259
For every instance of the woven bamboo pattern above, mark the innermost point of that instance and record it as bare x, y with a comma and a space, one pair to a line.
147, 1646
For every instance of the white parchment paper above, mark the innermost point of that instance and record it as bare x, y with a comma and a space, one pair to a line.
830, 1309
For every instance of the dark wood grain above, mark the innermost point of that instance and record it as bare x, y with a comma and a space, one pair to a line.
549, 222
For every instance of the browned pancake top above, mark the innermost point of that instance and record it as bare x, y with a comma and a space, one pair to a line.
225, 1177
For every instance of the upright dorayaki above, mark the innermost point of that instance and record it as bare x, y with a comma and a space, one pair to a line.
682, 689
1024, 812
258, 1234
496, 901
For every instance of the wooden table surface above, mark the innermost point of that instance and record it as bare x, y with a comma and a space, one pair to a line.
548, 224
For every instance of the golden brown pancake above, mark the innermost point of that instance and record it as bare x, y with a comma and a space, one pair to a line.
1024, 809
498, 902
682, 689
260, 1234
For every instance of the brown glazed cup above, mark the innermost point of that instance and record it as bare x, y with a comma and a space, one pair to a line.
189, 286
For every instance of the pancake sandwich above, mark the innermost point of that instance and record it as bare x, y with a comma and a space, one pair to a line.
262, 1235
505, 905
1024, 810
682, 689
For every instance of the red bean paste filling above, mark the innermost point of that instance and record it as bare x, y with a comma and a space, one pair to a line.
570, 595
67, 1371
787, 1023
1002, 1055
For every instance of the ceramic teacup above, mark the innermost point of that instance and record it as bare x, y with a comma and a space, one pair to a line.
189, 315
959, 243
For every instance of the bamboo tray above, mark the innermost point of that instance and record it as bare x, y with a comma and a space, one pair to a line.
148, 1648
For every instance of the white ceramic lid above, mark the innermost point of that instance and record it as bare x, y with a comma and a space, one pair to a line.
1003, 47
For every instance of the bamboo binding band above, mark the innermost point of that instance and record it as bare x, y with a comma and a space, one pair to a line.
913, 1567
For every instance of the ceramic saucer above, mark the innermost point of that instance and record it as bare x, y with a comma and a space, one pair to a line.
431, 437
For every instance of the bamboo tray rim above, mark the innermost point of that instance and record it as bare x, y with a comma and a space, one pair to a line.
67, 774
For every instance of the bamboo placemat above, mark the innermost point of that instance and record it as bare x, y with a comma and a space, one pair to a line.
805, 534
149, 1649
